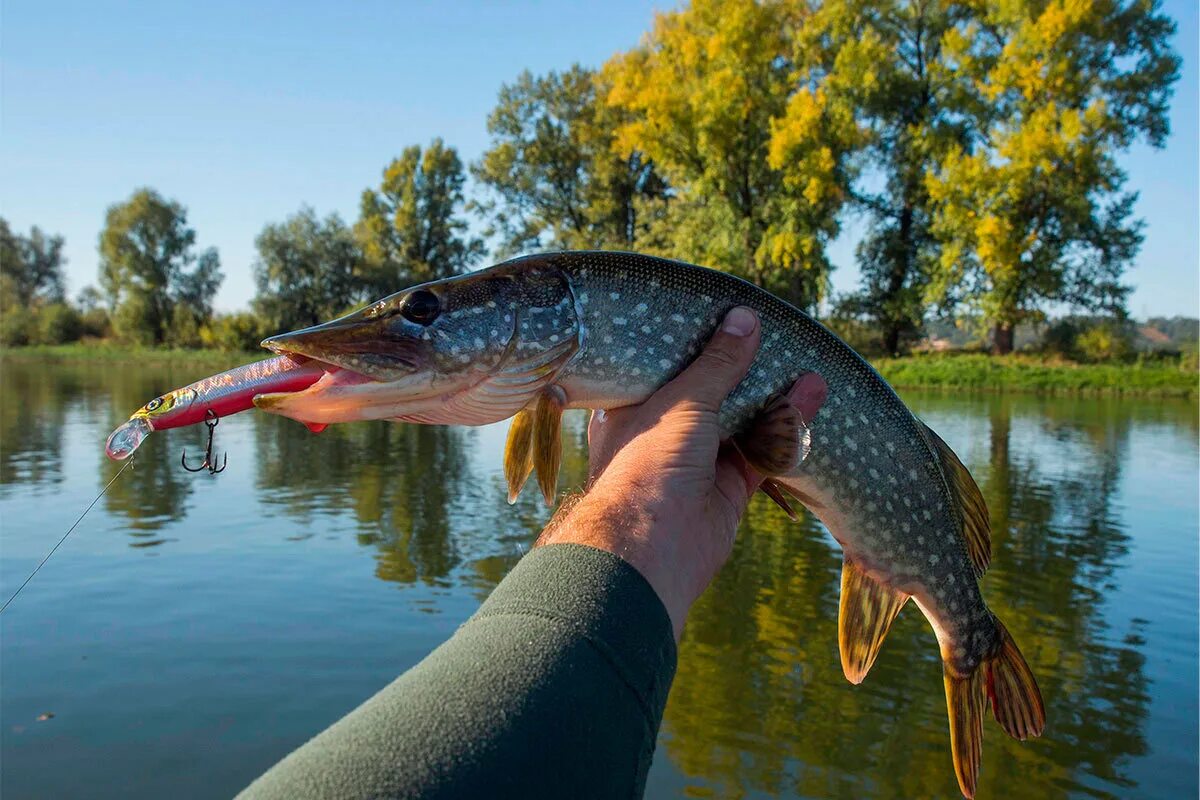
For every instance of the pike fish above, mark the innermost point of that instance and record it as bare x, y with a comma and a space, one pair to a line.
600, 330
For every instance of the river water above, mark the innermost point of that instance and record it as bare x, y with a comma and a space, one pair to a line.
194, 629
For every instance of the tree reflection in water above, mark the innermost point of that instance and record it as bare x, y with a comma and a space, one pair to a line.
760, 704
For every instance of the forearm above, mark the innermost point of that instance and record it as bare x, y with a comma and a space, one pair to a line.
555, 687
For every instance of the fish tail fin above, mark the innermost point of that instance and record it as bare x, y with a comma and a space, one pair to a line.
965, 698
1006, 681
1016, 700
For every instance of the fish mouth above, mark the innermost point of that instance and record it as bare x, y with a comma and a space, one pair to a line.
349, 344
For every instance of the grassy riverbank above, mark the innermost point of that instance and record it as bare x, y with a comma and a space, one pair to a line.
1034, 374
957, 371
100, 352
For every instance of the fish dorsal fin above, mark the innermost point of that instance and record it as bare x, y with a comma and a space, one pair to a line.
977, 526
547, 442
864, 617
776, 440
518, 452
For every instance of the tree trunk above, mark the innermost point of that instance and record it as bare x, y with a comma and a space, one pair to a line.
891, 338
1002, 338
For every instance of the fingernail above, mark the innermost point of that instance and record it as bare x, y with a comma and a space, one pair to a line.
599, 415
740, 321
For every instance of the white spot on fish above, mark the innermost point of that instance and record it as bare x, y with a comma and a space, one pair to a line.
614, 295
607, 339
632, 351
662, 362
646, 329
668, 338
641, 308
619, 320
677, 318
490, 304
636, 371
478, 343
583, 298
554, 337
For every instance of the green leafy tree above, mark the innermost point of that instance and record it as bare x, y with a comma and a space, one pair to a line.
308, 270
31, 268
705, 94
411, 229
149, 267
883, 62
557, 179
1032, 211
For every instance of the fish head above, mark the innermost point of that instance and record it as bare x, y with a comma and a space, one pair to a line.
427, 350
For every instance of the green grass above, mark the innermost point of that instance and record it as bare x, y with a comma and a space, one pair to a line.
952, 371
1022, 373
78, 351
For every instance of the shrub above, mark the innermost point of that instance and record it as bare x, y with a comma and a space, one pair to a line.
1108, 341
58, 323
17, 326
233, 332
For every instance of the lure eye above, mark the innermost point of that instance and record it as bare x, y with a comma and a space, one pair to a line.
154, 404
421, 307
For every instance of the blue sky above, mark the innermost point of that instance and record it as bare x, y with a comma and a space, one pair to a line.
245, 111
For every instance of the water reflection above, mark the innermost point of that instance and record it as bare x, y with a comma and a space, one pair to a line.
759, 704
759, 666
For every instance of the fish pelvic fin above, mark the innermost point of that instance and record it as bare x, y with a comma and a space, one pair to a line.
518, 453
1016, 700
777, 440
778, 492
965, 697
1004, 679
865, 615
972, 510
547, 443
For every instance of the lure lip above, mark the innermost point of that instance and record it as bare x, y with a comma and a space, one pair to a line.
128, 437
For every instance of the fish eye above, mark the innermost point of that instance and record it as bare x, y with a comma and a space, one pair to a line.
421, 307
154, 404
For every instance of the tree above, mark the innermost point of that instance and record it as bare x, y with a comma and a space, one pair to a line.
150, 271
409, 229
31, 268
883, 62
705, 94
308, 270
1032, 211
557, 178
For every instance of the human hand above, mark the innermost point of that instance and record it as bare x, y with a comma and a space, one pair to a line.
665, 494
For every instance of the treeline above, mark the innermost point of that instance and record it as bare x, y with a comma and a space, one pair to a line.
978, 143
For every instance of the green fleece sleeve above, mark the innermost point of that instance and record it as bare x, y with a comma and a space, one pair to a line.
554, 688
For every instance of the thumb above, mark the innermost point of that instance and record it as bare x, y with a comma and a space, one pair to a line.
721, 365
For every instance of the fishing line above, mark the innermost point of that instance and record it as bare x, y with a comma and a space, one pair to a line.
65, 535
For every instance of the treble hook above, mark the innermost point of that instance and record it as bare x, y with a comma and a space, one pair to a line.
210, 419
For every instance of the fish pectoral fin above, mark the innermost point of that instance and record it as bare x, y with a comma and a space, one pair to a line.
777, 492
518, 452
864, 617
972, 509
547, 442
777, 440
316, 427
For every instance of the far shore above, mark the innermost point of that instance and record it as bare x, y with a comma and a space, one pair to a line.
957, 371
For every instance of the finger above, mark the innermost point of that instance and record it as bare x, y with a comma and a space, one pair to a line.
720, 366
808, 394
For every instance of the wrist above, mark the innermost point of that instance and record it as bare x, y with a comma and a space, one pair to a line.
618, 524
